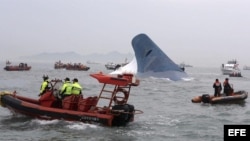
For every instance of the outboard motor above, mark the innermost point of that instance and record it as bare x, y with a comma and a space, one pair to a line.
131, 113
205, 98
122, 117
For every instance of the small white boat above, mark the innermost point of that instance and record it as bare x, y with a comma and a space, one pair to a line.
230, 67
112, 66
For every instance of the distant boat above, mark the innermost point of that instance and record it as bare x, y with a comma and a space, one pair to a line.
246, 68
77, 67
59, 65
20, 67
185, 65
70, 66
230, 67
115, 66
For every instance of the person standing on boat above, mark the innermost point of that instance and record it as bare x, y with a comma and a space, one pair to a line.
217, 87
44, 86
66, 89
76, 87
227, 87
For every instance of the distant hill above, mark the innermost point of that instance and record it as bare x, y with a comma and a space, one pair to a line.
115, 57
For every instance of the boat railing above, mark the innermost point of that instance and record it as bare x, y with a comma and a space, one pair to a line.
113, 95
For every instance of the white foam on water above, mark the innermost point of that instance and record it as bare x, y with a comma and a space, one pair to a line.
45, 122
80, 125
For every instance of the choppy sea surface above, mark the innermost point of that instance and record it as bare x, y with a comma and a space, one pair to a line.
168, 114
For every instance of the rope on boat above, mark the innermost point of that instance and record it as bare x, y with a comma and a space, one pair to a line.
2, 94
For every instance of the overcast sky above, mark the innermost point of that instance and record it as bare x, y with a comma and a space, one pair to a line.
197, 32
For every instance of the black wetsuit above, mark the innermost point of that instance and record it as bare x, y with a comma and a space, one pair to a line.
217, 88
227, 88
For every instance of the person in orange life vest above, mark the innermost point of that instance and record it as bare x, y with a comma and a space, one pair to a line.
44, 86
217, 87
66, 89
227, 87
76, 87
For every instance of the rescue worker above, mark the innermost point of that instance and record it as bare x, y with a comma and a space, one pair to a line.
66, 89
227, 87
217, 87
76, 87
44, 86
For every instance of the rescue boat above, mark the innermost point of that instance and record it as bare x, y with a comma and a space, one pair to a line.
115, 93
20, 67
235, 97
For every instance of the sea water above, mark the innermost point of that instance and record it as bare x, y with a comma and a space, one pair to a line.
169, 114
